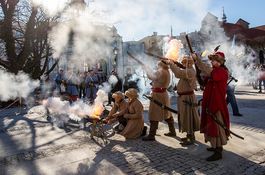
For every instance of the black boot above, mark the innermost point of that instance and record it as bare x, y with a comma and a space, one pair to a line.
217, 155
210, 149
152, 131
171, 125
144, 131
189, 140
185, 138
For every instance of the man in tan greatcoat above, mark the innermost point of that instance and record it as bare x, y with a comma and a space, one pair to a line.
134, 114
161, 80
120, 104
188, 114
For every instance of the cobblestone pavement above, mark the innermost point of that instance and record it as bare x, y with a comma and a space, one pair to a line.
137, 157
133, 156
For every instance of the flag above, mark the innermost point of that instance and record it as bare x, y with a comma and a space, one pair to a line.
233, 50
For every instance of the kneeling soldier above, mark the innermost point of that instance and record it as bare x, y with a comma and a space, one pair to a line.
120, 104
135, 126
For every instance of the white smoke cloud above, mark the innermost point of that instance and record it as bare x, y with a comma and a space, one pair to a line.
236, 65
132, 24
50, 6
107, 86
14, 86
143, 83
59, 37
62, 111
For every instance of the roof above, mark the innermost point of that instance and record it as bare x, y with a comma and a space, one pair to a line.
209, 17
230, 29
238, 22
260, 27
235, 29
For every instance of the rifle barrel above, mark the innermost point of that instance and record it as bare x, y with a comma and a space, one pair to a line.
135, 58
164, 58
157, 56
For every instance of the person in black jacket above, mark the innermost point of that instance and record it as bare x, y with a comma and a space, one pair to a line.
115, 87
128, 83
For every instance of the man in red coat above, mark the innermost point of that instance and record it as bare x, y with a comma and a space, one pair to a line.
214, 95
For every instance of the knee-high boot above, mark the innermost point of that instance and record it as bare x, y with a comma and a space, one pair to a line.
171, 126
152, 131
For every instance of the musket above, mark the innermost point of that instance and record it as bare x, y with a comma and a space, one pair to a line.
164, 58
188, 42
160, 104
135, 58
199, 79
190, 103
221, 124
231, 79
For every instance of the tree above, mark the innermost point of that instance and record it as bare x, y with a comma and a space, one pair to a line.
24, 35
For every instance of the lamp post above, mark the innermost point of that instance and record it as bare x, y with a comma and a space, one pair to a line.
115, 51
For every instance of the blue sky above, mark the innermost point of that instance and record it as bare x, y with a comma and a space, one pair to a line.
140, 18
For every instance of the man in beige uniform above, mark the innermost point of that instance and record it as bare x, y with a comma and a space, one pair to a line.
120, 104
134, 114
161, 80
188, 114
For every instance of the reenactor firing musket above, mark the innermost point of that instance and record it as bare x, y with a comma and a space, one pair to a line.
164, 58
207, 110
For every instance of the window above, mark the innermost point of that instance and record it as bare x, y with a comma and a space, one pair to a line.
210, 32
140, 48
127, 47
100, 68
85, 67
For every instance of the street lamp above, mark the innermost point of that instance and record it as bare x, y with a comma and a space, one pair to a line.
115, 51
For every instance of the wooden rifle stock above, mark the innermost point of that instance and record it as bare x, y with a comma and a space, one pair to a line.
164, 58
231, 79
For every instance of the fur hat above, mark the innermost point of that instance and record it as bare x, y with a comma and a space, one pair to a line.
217, 56
132, 93
118, 94
163, 64
187, 59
